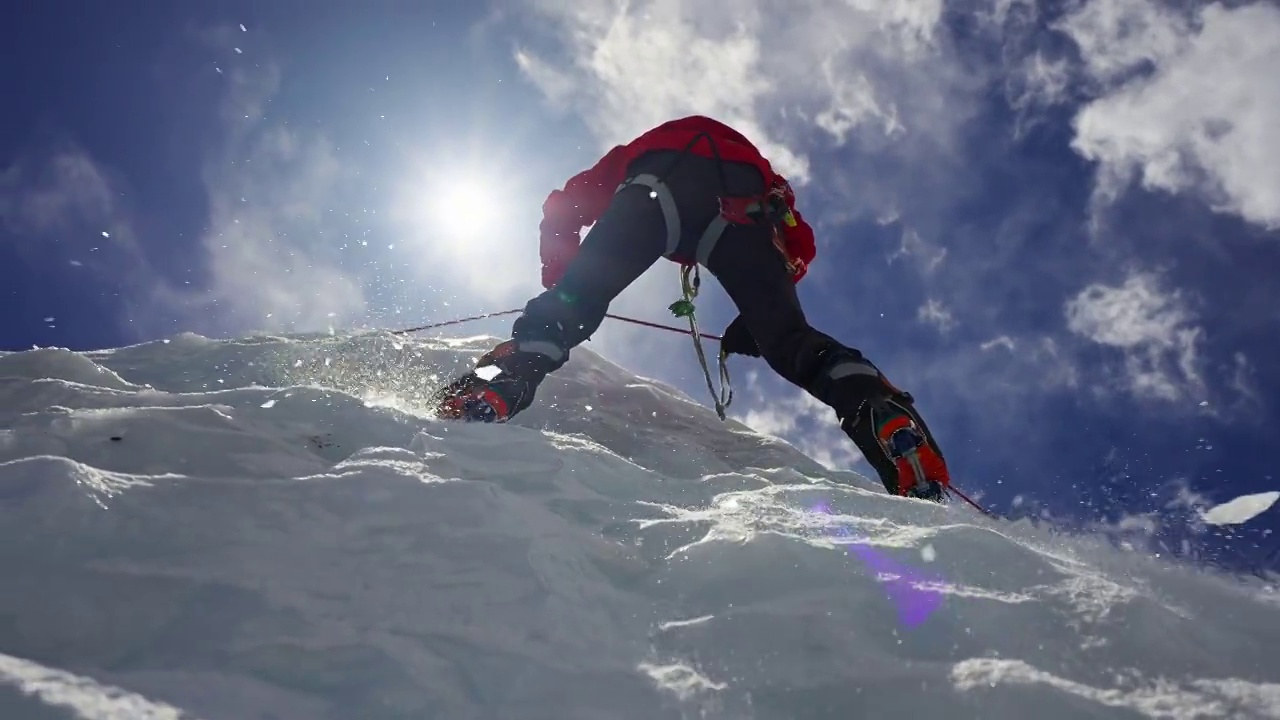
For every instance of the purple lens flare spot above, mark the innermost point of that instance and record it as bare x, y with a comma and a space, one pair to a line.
908, 588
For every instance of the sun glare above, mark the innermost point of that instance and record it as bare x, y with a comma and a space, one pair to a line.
467, 207
466, 222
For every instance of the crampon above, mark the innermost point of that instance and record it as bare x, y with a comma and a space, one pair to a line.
922, 473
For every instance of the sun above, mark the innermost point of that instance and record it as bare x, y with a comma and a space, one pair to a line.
463, 219
469, 207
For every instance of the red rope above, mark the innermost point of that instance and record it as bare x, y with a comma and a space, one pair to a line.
965, 498
645, 323
459, 321
473, 318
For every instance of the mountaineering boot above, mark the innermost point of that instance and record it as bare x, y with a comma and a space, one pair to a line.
882, 421
921, 470
503, 383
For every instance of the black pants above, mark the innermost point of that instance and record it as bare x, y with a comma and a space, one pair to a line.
632, 235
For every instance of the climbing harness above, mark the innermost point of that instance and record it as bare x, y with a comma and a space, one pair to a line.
770, 208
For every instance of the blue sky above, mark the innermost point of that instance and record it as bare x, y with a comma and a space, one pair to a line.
1058, 225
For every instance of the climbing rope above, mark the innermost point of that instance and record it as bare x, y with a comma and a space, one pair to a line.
473, 318
951, 488
683, 307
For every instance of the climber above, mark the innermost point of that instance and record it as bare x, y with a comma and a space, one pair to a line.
697, 192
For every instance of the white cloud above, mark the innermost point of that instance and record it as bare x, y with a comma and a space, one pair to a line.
929, 256
1202, 119
1134, 314
1002, 9
842, 65
799, 418
1243, 381
1028, 360
69, 187
1116, 36
1039, 81
853, 103
276, 221
935, 313
1003, 341
60, 207
269, 238
66, 202
1239, 398
266, 216
557, 86
630, 73
1153, 328
1054, 368
1037, 74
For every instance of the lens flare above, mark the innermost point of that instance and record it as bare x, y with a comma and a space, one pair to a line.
911, 590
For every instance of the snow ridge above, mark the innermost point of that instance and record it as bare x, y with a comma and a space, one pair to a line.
272, 527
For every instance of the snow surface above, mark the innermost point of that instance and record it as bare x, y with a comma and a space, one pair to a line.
266, 528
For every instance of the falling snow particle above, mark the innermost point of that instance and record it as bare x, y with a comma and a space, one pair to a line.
1241, 509
218, 69
49, 319
106, 234
242, 28
239, 51
928, 554
268, 404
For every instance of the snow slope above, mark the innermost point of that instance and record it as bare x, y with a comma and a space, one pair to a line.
265, 528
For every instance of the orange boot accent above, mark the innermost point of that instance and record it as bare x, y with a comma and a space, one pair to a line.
914, 464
